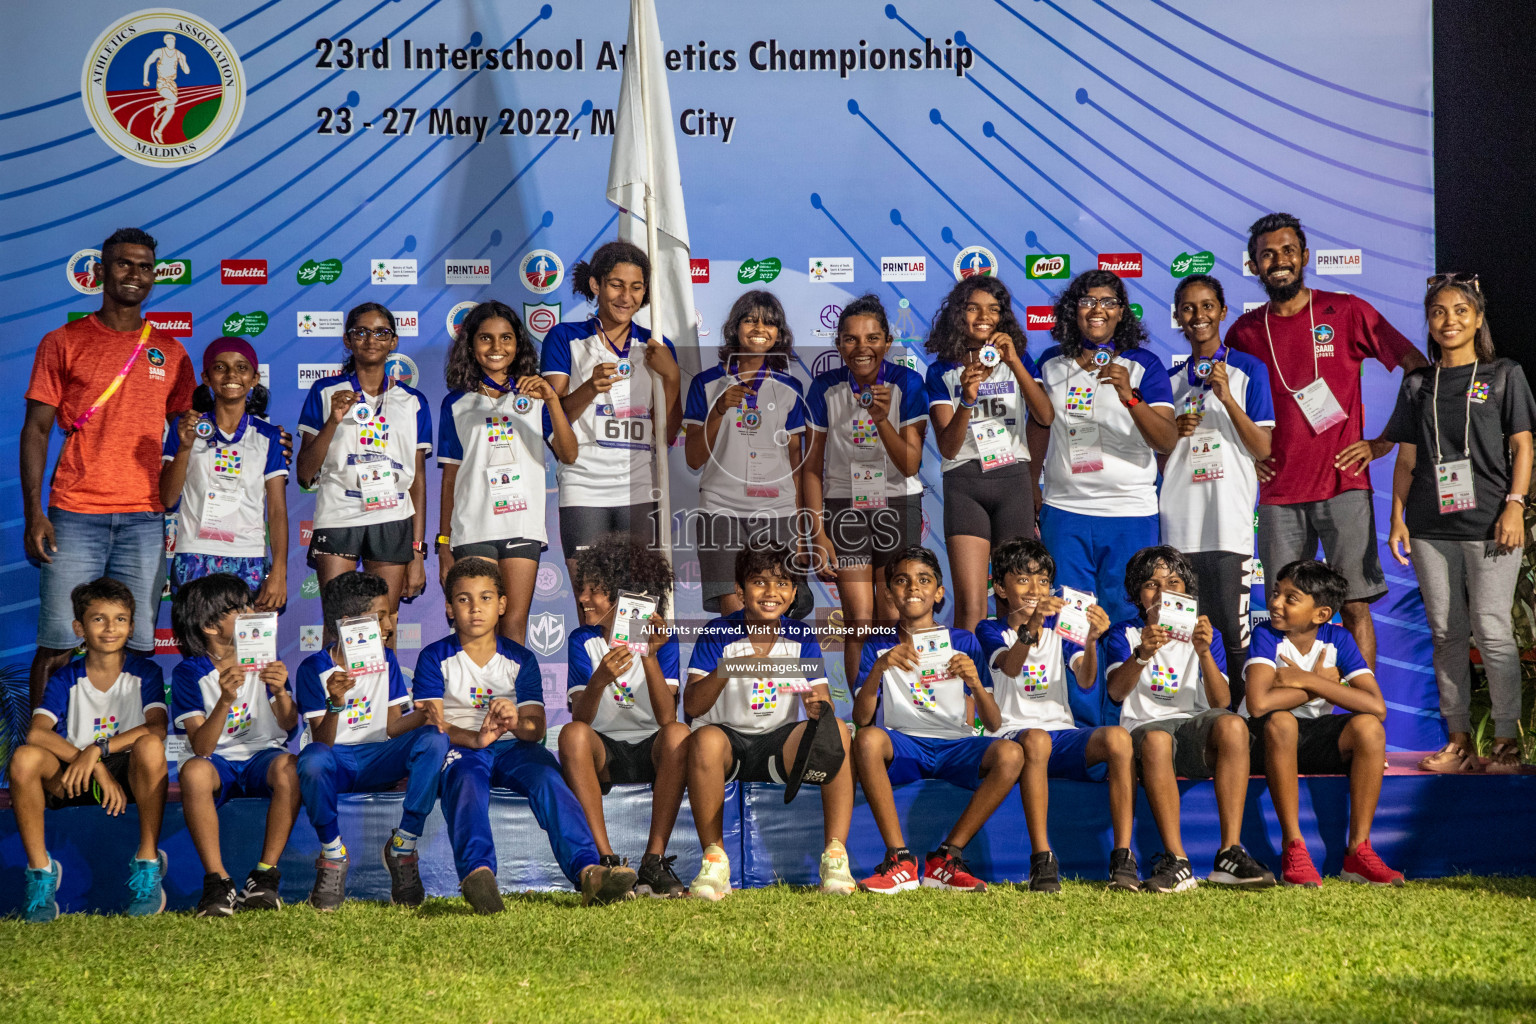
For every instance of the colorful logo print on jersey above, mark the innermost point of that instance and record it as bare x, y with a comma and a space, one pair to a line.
1478, 392
1079, 399
623, 694
104, 728
1037, 682
1165, 682
163, 88
359, 711
765, 696
238, 720
226, 461
864, 430
374, 433
923, 698
498, 430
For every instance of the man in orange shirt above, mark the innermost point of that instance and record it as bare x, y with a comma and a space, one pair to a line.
104, 516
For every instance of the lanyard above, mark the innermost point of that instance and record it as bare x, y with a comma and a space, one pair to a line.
859, 389
757, 382
218, 435
1220, 356
1311, 336
505, 389
1434, 410
117, 382
358, 387
629, 337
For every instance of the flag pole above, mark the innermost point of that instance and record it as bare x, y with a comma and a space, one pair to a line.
661, 451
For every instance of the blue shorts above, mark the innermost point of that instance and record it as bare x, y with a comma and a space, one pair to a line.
924, 757
1069, 754
243, 778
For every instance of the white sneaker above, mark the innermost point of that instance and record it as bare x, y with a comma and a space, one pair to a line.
835, 876
714, 877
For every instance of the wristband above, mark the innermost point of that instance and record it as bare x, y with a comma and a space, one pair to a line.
1134, 400
104, 745
968, 405
420, 547
1140, 660
334, 709
443, 538
1515, 497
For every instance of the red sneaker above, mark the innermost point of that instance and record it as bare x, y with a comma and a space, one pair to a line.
1364, 866
946, 871
1296, 866
893, 876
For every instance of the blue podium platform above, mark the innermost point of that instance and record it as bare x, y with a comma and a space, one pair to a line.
1427, 826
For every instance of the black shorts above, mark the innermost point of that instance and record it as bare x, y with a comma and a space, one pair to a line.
628, 761
758, 757
379, 542
720, 538
496, 550
1224, 597
116, 766
581, 526
995, 506
873, 536
1317, 744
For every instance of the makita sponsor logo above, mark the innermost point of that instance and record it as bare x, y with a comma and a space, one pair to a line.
699, 271
1121, 264
1039, 318
177, 325
242, 271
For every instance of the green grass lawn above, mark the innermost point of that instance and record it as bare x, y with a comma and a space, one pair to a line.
1456, 949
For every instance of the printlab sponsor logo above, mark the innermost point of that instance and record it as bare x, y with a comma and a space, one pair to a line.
759, 271
195, 103
541, 271
1039, 318
84, 271
1185, 263
177, 325
1050, 266
831, 269
311, 372
698, 270
1336, 261
320, 324
242, 271
903, 268
322, 272
173, 271
466, 271
392, 271
540, 317
406, 322
408, 636
1121, 264
248, 324
546, 633
975, 261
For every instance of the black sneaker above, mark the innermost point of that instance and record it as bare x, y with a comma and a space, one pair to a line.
1123, 873
260, 892
481, 891
1044, 872
1234, 868
219, 897
1169, 874
405, 888
606, 883
330, 884
610, 860
657, 878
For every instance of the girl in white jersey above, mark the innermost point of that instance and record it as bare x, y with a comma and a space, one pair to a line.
620, 416
365, 444
491, 433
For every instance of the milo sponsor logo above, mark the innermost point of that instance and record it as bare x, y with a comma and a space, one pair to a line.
1185, 264
248, 324
173, 272
1049, 266
759, 271
323, 272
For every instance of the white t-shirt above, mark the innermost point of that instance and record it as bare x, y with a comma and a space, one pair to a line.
613, 461
998, 399
936, 711
84, 714
835, 411
239, 467
624, 712
401, 426
505, 436
1039, 697
365, 716
1215, 515
1127, 485
752, 706
1170, 685
1334, 647
750, 471
250, 726
444, 672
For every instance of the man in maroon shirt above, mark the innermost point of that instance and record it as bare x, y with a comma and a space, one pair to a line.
1316, 486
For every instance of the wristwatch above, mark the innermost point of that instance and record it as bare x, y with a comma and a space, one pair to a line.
443, 538
420, 547
1515, 497
334, 709
1134, 400
104, 745
1031, 638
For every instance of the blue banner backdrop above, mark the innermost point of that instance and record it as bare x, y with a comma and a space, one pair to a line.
306, 142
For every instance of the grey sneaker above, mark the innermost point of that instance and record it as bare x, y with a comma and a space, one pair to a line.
1123, 876
405, 888
330, 883
601, 883
481, 891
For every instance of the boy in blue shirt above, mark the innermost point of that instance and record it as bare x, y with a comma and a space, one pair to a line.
362, 740
1030, 664
237, 723
928, 729
97, 737
1300, 667
485, 691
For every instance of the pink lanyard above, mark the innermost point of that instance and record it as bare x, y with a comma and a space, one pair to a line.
122, 375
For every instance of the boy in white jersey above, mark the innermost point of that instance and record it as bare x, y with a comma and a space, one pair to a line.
1030, 662
97, 737
486, 691
928, 728
361, 739
1173, 695
623, 701
749, 727
1300, 666
237, 722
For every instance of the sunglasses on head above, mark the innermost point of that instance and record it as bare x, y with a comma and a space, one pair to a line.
1454, 277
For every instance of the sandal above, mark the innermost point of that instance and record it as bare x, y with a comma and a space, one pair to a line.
1504, 758
1451, 759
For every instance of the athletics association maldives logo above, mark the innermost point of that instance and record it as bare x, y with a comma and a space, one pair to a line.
542, 271
163, 88
84, 271
456, 316
975, 261
401, 369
